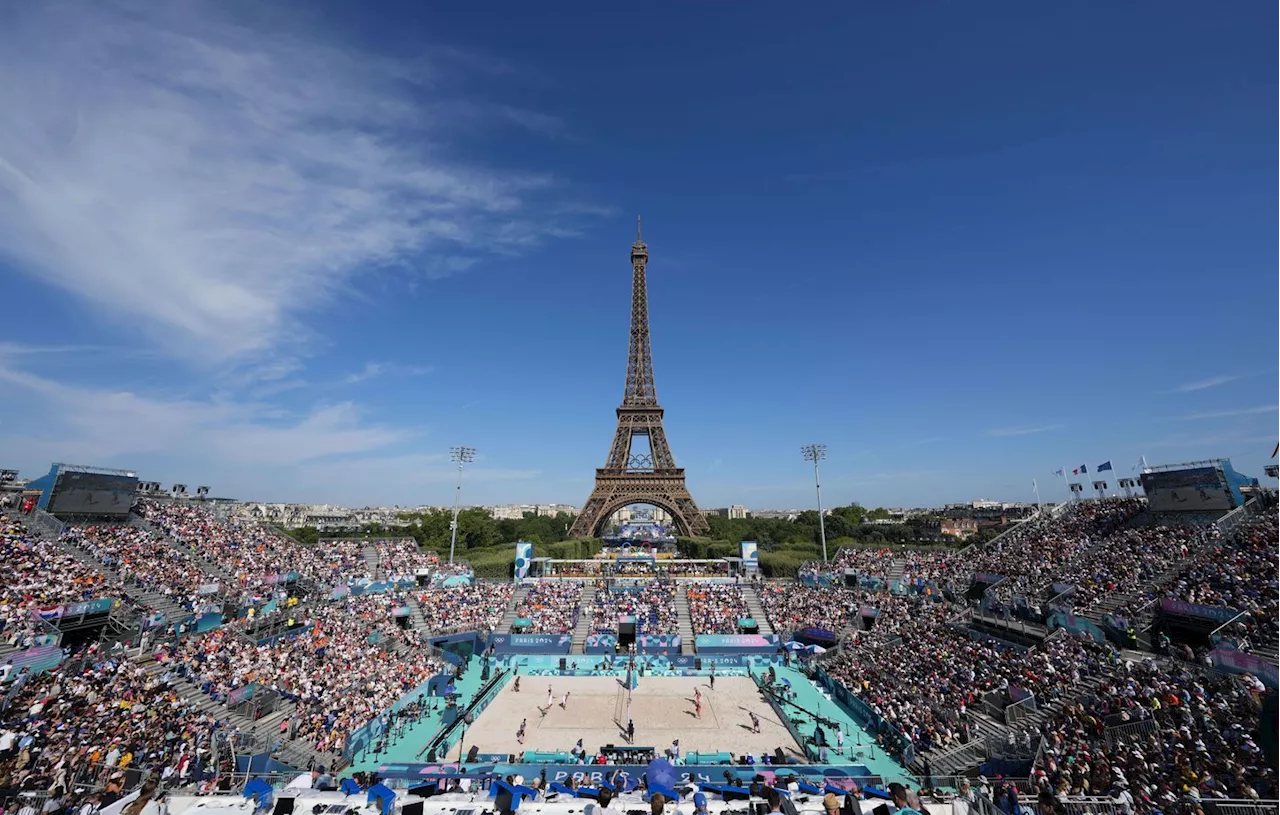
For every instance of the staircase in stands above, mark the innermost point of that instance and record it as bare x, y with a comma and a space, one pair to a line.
1268, 651
897, 569
583, 629
370, 553
416, 617
756, 608
684, 621
510, 615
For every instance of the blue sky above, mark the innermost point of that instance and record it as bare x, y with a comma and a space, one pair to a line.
298, 254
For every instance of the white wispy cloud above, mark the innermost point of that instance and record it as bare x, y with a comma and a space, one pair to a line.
1023, 431
211, 179
252, 450
19, 350
93, 424
373, 370
1204, 384
1218, 440
1226, 414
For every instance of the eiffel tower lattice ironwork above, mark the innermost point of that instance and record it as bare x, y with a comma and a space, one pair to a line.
651, 478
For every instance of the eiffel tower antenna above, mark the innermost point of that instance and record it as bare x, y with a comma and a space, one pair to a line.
625, 478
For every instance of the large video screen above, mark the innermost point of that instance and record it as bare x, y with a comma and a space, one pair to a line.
1198, 489
93, 494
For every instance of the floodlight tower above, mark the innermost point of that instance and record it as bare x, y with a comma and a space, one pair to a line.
460, 455
816, 453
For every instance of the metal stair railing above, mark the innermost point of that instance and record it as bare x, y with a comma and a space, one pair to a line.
44, 524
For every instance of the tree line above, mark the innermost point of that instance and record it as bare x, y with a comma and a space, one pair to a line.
784, 543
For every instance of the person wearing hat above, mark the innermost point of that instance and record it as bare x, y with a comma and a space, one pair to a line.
831, 804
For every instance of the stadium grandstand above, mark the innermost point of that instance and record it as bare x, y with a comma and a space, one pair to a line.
1115, 655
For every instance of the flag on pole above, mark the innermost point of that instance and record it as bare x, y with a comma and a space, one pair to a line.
1079, 470
1062, 471
1106, 465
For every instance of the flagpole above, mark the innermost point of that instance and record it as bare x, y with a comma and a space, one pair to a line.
1066, 483
1036, 486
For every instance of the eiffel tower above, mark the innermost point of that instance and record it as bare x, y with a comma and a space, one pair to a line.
651, 478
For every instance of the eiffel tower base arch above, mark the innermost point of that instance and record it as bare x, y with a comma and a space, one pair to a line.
662, 489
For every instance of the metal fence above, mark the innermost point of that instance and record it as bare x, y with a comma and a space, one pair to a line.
1110, 806
1231, 807
1130, 730
44, 524
262, 702
1237, 516
1019, 711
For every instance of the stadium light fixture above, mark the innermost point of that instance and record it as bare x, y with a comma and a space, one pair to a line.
816, 453
459, 455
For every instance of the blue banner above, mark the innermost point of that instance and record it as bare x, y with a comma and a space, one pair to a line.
1228, 661
207, 622
658, 644
737, 643
1218, 614
601, 644
100, 606
524, 558
1076, 625
366, 586
531, 643
815, 636
241, 694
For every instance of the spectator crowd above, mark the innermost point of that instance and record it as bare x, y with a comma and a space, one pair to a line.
654, 608
39, 575
1160, 735
715, 608
1238, 573
551, 607
141, 557
100, 722
477, 606
343, 664
1155, 731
